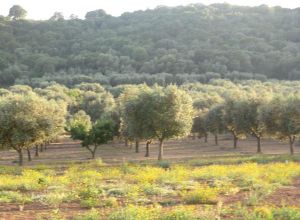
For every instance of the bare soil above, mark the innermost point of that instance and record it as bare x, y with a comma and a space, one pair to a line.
68, 151
286, 195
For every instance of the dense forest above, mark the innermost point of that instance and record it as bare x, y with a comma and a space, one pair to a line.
165, 45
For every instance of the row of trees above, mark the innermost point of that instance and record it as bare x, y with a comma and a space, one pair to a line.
95, 115
192, 40
259, 117
28, 121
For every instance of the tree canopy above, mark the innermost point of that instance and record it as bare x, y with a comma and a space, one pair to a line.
164, 45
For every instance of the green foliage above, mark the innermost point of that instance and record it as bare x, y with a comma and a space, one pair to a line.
27, 120
14, 197
92, 135
169, 53
17, 12
204, 195
180, 213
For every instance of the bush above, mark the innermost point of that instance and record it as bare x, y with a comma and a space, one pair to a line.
110, 202
164, 164
150, 189
203, 195
287, 213
9, 196
89, 203
89, 192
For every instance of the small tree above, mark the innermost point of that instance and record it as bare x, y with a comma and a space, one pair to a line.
92, 135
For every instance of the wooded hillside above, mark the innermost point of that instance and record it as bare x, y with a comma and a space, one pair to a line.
164, 45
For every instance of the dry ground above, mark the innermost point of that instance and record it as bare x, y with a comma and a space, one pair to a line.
67, 151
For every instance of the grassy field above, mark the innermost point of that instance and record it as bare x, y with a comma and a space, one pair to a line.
261, 189
197, 181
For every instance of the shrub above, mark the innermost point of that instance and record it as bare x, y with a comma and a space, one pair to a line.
287, 213
9, 196
164, 164
205, 195
89, 192
89, 203
110, 202
151, 189
53, 199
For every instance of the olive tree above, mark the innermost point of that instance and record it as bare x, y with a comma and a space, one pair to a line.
169, 113
282, 118
26, 120
91, 135
232, 125
215, 121
97, 105
130, 121
248, 116
200, 125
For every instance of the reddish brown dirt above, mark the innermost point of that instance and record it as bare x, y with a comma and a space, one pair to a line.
287, 195
239, 197
68, 151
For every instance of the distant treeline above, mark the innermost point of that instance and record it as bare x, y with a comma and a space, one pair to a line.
191, 43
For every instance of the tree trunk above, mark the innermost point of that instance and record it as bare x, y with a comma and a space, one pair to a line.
161, 150
258, 145
28, 154
93, 154
137, 145
126, 142
148, 149
41, 147
20, 153
94, 151
205, 138
292, 140
36, 151
216, 140
235, 140
194, 136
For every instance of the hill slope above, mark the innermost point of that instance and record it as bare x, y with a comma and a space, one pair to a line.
195, 39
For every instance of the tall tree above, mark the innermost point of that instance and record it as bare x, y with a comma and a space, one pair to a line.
16, 12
